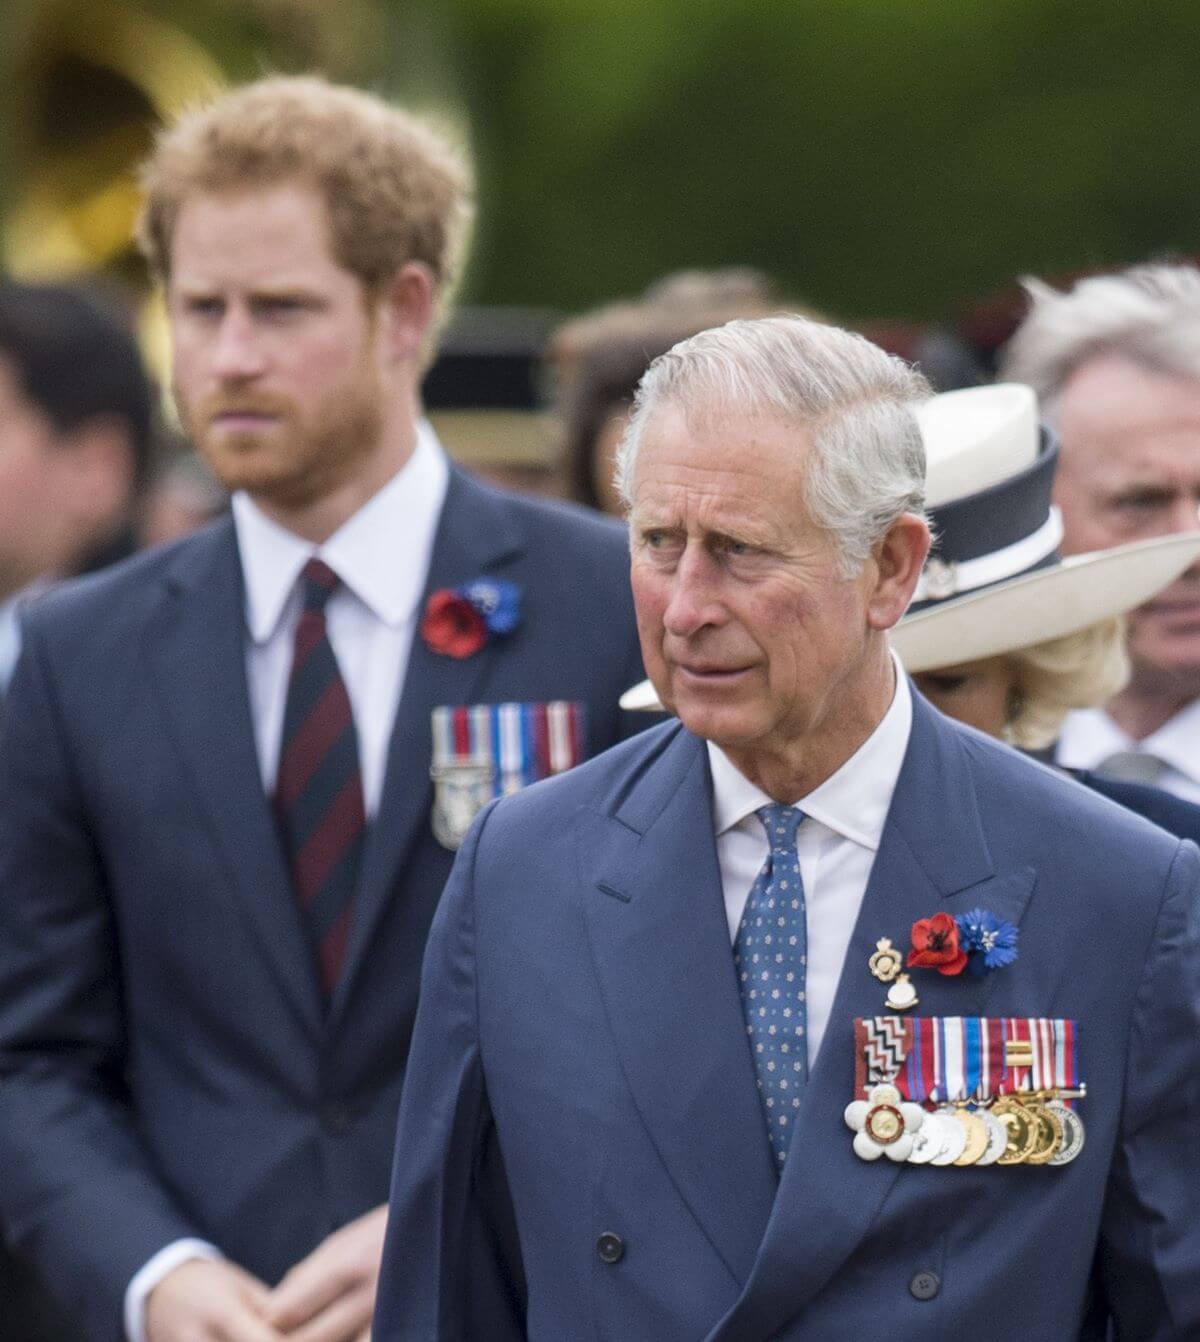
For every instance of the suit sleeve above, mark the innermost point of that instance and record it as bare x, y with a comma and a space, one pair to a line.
1149, 1252
451, 1261
77, 1193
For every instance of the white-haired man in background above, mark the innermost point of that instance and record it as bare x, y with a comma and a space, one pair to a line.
1116, 366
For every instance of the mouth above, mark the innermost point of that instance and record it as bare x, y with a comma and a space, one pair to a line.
703, 674
242, 421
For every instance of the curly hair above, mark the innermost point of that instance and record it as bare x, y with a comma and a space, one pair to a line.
1080, 670
395, 188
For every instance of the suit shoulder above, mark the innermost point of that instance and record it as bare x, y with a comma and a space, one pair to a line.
554, 520
1045, 806
116, 593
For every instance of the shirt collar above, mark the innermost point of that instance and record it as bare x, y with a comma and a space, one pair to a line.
1089, 736
381, 553
854, 801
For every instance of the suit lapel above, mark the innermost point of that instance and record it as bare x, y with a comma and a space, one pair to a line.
474, 537
660, 941
930, 859
195, 643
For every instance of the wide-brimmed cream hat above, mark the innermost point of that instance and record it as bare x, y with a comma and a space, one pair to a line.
995, 582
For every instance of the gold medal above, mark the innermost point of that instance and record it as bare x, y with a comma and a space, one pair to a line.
977, 1137
1048, 1135
1022, 1131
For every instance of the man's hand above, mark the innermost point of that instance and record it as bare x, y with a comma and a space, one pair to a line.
203, 1301
330, 1295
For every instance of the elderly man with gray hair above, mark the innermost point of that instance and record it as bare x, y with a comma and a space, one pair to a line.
1116, 365
669, 1077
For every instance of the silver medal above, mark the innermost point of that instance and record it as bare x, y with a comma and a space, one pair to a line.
955, 1142
1072, 1128
997, 1137
927, 1140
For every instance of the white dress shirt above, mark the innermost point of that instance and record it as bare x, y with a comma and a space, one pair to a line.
836, 845
1089, 736
382, 556
10, 640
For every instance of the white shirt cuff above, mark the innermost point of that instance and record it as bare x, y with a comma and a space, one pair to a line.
147, 1278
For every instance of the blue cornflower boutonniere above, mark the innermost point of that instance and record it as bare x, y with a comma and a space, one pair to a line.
990, 942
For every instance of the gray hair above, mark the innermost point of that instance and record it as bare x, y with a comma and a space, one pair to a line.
1148, 314
867, 463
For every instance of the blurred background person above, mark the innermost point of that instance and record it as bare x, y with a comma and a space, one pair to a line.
75, 444
1002, 634
182, 497
1115, 362
596, 361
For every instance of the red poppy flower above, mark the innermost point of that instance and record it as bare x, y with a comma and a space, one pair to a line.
452, 626
935, 945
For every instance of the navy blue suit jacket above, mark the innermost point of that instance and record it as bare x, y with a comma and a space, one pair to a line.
166, 1068
580, 1068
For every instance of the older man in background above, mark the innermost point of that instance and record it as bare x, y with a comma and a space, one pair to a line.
1116, 365
654, 997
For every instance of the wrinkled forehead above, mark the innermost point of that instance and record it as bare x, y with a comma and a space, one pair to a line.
729, 471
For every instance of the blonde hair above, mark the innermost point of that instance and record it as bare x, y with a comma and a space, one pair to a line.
395, 189
1080, 670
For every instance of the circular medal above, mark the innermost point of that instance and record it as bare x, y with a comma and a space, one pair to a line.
977, 1138
955, 1138
927, 1140
884, 1124
1022, 1131
1072, 1138
997, 1137
1048, 1135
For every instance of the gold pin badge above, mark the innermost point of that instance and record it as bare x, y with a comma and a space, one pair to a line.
887, 961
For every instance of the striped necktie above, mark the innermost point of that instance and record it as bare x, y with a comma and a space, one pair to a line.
770, 954
318, 791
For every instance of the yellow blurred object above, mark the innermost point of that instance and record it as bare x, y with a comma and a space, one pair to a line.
76, 212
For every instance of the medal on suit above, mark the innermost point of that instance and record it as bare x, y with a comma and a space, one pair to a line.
994, 1090
481, 751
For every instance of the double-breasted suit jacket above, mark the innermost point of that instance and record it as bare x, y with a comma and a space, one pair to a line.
582, 1152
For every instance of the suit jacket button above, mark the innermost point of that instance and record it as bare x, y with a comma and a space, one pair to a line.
610, 1247
925, 1285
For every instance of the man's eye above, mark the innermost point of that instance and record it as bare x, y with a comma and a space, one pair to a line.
941, 683
1142, 500
204, 307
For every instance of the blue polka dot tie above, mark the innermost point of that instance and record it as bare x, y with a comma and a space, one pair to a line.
770, 955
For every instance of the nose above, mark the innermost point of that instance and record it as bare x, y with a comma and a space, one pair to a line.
693, 602
237, 352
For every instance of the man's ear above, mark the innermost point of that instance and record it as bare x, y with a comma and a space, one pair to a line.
406, 309
898, 559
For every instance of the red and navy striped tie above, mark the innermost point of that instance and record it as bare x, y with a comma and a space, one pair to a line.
318, 792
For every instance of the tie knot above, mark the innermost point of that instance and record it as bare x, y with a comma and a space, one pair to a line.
781, 824
318, 582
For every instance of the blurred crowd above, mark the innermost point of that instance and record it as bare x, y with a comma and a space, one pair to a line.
1091, 663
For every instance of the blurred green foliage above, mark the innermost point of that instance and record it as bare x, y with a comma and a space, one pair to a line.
880, 158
